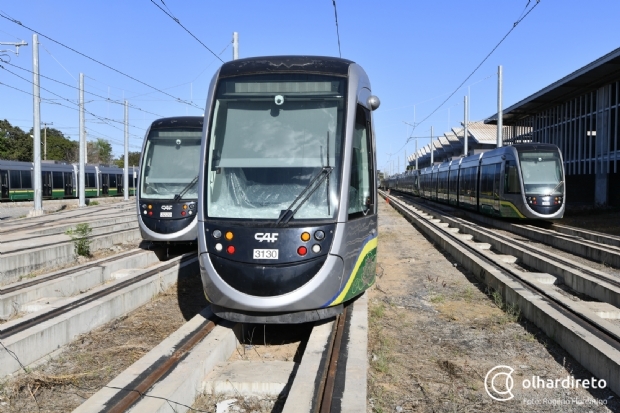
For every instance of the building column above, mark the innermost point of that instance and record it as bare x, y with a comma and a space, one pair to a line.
601, 180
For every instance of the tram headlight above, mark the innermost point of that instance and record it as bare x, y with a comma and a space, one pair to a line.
316, 248
305, 236
319, 235
229, 236
217, 234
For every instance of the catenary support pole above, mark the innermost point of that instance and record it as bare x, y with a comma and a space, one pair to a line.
235, 45
466, 135
432, 147
126, 166
416, 154
500, 114
36, 128
82, 172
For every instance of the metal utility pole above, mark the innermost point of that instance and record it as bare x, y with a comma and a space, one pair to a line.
465, 136
235, 45
82, 172
126, 166
45, 140
500, 114
36, 129
432, 148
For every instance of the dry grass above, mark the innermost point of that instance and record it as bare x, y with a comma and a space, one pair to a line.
95, 358
434, 333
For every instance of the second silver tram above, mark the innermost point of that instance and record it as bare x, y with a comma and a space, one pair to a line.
168, 188
288, 217
523, 181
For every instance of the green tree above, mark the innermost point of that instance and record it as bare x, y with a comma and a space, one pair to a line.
59, 147
99, 151
134, 159
15, 144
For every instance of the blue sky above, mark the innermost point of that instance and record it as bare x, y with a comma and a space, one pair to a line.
416, 53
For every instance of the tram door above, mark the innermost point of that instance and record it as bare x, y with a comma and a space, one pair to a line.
496, 181
4, 184
120, 186
105, 184
46, 181
68, 183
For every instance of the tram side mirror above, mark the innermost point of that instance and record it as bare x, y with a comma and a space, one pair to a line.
373, 102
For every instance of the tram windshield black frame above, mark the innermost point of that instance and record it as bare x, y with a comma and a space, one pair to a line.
177, 167
270, 134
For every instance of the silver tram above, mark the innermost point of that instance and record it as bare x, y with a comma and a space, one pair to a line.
523, 181
287, 200
168, 188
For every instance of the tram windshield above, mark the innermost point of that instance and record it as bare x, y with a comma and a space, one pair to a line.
170, 164
274, 140
542, 173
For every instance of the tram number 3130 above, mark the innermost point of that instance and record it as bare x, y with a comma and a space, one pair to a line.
265, 254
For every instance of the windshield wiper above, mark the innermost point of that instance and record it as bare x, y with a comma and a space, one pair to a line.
311, 188
178, 196
556, 187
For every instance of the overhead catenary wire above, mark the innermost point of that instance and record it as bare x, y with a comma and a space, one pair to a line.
523, 16
104, 120
105, 99
184, 28
5, 16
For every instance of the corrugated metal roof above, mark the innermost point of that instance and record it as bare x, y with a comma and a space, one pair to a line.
451, 137
483, 133
590, 77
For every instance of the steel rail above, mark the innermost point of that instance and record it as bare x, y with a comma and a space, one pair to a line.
328, 373
544, 254
576, 317
26, 324
136, 393
69, 271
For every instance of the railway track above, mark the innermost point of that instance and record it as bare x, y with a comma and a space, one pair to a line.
592, 245
75, 301
575, 321
58, 224
189, 362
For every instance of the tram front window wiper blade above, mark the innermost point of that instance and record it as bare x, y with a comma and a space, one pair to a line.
310, 189
556, 187
179, 196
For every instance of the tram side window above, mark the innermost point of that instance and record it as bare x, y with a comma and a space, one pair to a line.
90, 180
26, 180
511, 179
112, 180
360, 196
486, 180
16, 181
57, 180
